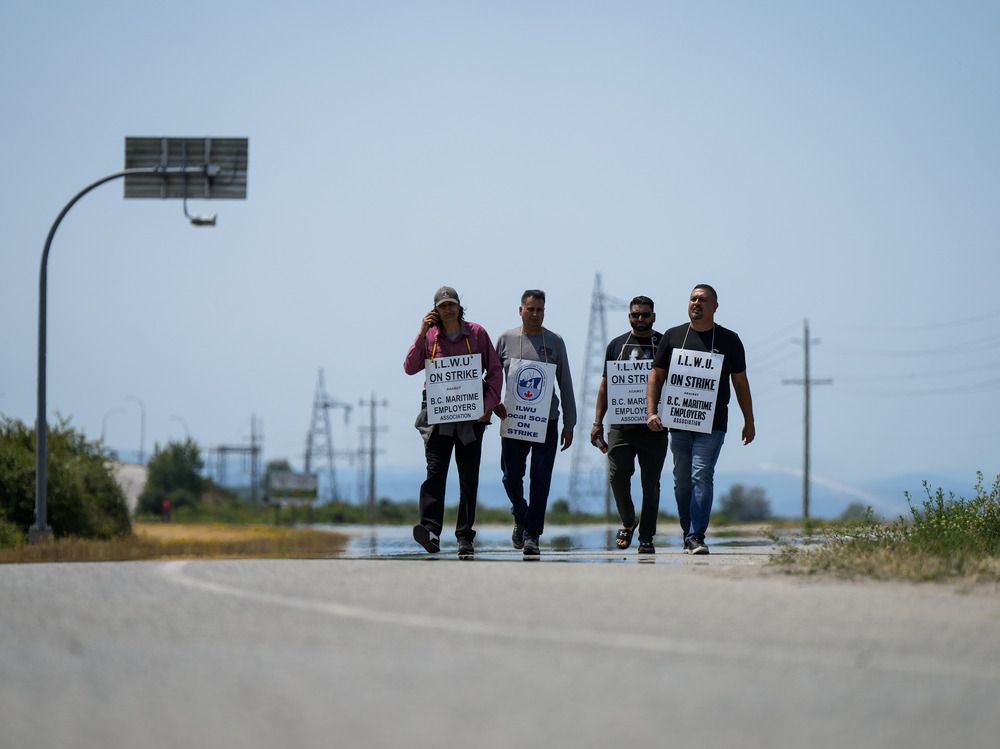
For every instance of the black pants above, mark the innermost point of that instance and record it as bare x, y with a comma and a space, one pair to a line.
438, 450
513, 462
624, 445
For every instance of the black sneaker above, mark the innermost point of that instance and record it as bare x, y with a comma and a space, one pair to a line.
646, 547
687, 545
465, 547
698, 545
517, 537
430, 541
531, 547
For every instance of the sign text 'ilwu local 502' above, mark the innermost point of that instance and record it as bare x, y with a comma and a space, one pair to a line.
454, 388
529, 396
691, 390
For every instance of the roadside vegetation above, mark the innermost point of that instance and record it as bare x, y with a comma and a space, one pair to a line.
183, 541
84, 500
945, 537
89, 517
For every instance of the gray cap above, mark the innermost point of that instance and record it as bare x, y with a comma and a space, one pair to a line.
445, 294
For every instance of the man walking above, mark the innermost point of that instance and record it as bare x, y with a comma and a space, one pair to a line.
628, 435
696, 449
532, 342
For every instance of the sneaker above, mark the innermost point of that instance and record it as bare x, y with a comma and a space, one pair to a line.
646, 547
698, 545
517, 537
430, 541
465, 547
531, 547
687, 545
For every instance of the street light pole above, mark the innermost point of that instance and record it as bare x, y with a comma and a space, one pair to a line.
41, 531
183, 423
167, 161
104, 421
142, 428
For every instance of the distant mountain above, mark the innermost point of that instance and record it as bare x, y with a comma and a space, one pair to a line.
828, 498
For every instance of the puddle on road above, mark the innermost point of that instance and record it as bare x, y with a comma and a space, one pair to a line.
586, 543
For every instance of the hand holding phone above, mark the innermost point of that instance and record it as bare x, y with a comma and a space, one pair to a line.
431, 319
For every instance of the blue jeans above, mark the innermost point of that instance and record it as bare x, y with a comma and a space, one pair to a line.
513, 461
695, 455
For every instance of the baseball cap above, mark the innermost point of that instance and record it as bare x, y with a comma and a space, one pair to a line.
445, 294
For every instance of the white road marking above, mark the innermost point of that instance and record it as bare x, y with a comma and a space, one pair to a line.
860, 657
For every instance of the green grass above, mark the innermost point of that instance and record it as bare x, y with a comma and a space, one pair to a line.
945, 537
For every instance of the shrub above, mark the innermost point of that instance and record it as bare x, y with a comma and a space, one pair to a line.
944, 537
946, 525
174, 472
856, 511
742, 503
83, 497
10, 535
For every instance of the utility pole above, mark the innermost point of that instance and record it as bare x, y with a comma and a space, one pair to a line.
806, 382
254, 458
372, 430
583, 470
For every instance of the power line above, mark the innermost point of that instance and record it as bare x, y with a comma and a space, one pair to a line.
775, 340
976, 344
983, 385
919, 375
927, 326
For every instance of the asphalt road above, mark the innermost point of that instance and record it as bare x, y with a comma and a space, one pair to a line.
700, 652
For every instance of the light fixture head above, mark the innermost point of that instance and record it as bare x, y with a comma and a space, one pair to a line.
203, 220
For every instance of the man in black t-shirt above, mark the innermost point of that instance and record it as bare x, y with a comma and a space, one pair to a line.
627, 441
696, 453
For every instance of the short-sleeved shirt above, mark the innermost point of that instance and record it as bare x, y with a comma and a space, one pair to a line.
628, 347
718, 340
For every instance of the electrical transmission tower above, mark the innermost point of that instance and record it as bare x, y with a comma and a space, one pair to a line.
319, 439
372, 430
250, 453
588, 472
806, 382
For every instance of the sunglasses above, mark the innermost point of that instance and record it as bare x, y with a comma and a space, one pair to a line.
640, 315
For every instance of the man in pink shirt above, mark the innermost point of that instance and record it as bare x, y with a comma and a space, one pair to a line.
445, 332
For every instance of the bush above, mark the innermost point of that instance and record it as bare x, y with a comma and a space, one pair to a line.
949, 525
944, 537
10, 534
856, 512
83, 497
743, 503
174, 472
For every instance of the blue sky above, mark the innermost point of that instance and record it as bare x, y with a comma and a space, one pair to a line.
836, 162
